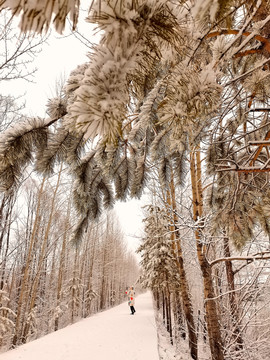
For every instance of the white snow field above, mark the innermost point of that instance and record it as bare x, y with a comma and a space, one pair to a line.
113, 334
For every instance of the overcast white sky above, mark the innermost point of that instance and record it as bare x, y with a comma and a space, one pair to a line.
57, 59
59, 56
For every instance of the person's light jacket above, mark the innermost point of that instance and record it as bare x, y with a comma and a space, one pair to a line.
131, 295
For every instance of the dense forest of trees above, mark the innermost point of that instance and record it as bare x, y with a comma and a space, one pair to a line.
47, 282
175, 97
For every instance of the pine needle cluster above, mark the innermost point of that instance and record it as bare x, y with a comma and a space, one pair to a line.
37, 15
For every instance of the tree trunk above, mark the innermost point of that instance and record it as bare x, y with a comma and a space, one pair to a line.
5, 221
163, 308
168, 314
74, 290
179, 318
233, 302
89, 274
184, 288
212, 318
62, 264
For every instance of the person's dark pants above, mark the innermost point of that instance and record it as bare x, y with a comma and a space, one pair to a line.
132, 309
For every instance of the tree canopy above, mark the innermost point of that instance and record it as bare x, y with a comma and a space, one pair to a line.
167, 77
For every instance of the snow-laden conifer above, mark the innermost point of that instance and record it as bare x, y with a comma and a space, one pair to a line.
158, 262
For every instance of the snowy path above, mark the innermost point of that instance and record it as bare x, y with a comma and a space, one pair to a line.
111, 335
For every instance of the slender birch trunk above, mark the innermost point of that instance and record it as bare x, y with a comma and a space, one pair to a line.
104, 270
74, 287
62, 265
89, 274
163, 308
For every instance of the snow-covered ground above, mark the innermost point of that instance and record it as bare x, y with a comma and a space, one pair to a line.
113, 334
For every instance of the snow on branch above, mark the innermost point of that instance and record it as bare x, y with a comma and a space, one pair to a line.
37, 15
147, 111
244, 169
251, 258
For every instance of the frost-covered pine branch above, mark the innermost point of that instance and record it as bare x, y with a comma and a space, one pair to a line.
101, 102
17, 144
37, 15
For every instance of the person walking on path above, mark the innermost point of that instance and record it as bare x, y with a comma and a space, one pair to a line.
131, 299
